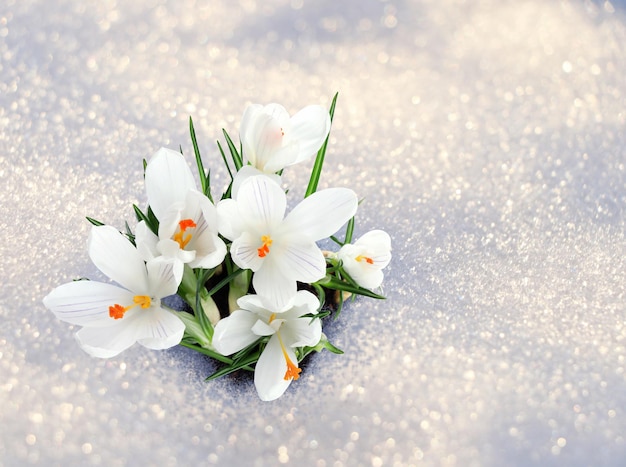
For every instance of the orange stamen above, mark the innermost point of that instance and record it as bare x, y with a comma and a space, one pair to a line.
265, 249
117, 311
180, 237
293, 372
364, 258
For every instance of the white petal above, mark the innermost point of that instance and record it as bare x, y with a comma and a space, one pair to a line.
269, 373
244, 252
169, 220
172, 251
106, 342
302, 332
159, 328
146, 241
116, 257
261, 202
164, 276
302, 261
375, 239
281, 157
303, 303
310, 127
229, 220
276, 290
86, 303
234, 333
254, 304
370, 279
261, 328
366, 275
323, 213
248, 171
210, 249
263, 140
168, 178
249, 121
210, 252
277, 112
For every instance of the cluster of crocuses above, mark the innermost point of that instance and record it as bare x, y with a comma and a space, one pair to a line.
264, 263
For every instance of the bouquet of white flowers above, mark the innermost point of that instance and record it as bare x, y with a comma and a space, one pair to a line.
255, 283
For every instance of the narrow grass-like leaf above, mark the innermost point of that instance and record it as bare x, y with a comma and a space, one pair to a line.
236, 155
333, 283
316, 172
203, 275
349, 231
154, 227
153, 219
210, 353
129, 233
225, 281
243, 364
95, 222
204, 177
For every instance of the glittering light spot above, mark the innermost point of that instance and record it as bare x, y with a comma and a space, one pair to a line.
567, 67
283, 456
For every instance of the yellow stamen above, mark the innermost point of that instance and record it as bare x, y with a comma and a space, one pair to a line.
117, 311
265, 249
367, 259
272, 318
180, 237
293, 372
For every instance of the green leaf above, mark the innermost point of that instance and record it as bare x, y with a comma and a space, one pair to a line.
349, 231
203, 275
94, 221
129, 233
204, 178
243, 363
210, 353
150, 219
331, 282
225, 281
236, 156
319, 160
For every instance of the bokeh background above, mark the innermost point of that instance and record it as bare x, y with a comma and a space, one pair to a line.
487, 137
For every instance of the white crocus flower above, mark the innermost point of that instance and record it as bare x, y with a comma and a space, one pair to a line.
278, 365
272, 140
114, 318
365, 259
281, 250
187, 218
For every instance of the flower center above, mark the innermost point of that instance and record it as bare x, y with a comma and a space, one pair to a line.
182, 237
265, 248
367, 259
117, 311
293, 372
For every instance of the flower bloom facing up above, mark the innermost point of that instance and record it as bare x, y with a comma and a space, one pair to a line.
281, 250
114, 318
365, 259
187, 218
278, 365
272, 140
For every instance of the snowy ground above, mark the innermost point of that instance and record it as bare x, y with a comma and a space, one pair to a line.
489, 139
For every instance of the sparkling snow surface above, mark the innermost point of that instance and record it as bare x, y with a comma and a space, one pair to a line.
487, 137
